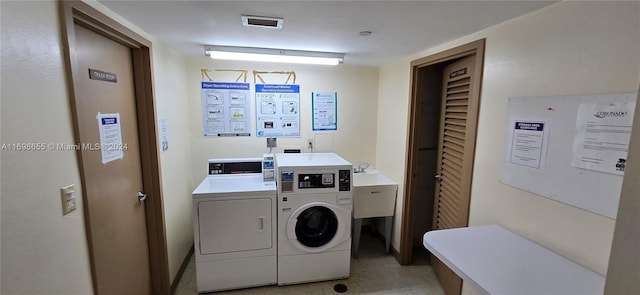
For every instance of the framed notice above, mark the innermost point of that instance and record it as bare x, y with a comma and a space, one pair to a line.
278, 110
225, 109
325, 110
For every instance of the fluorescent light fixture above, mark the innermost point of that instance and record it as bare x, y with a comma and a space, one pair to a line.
273, 55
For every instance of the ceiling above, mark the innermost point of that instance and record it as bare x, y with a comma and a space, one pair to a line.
399, 28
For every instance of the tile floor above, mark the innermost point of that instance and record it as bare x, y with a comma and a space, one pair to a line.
372, 273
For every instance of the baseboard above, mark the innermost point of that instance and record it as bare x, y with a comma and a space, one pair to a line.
395, 254
183, 267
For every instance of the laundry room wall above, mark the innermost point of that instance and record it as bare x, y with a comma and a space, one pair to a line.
354, 139
171, 88
568, 48
44, 252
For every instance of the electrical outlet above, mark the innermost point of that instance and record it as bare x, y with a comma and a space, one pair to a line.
310, 143
68, 198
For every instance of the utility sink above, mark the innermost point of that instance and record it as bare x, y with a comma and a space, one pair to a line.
374, 195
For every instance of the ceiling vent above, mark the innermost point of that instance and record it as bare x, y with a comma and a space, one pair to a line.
262, 21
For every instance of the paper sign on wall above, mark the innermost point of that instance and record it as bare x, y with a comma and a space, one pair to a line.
110, 137
225, 109
164, 135
278, 110
603, 131
325, 110
528, 143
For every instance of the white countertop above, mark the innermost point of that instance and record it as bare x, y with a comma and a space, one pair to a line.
496, 261
234, 183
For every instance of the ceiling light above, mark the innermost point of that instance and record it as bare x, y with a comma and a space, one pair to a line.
273, 55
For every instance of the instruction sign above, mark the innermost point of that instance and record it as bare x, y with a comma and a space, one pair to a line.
110, 137
225, 109
325, 110
528, 143
278, 110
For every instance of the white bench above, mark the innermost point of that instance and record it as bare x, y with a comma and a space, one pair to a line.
496, 261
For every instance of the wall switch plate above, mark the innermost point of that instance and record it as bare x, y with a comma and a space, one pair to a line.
68, 197
271, 142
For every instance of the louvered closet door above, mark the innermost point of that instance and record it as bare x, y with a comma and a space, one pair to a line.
453, 198
455, 152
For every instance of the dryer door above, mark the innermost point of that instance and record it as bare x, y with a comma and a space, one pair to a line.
234, 225
318, 226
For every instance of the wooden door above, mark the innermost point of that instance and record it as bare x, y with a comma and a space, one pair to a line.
115, 216
455, 158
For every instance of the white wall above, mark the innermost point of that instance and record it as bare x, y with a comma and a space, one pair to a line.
568, 48
623, 274
393, 102
44, 252
170, 90
357, 108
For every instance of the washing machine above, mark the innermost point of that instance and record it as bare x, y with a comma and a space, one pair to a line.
234, 224
314, 217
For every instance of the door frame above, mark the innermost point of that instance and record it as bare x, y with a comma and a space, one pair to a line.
410, 187
78, 12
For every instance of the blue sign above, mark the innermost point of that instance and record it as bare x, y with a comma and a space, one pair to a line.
109, 121
532, 126
278, 88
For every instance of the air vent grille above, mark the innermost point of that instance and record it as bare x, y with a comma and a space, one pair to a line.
262, 21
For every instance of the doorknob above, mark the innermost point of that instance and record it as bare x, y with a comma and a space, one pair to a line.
438, 177
141, 196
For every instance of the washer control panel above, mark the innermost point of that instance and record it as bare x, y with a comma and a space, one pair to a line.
344, 180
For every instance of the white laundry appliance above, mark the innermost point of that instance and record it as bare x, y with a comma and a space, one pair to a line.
314, 217
234, 225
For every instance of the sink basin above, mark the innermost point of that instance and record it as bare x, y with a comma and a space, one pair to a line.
374, 195
371, 177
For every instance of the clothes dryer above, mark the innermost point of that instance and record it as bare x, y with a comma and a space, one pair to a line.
234, 224
314, 217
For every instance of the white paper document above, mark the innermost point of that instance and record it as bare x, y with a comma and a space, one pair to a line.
602, 136
110, 137
528, 143
164, 135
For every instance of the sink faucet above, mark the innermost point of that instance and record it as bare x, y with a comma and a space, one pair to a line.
361, 168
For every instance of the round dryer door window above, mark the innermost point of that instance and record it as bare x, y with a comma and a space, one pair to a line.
316, 226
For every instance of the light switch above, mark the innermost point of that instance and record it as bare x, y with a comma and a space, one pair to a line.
68, 197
